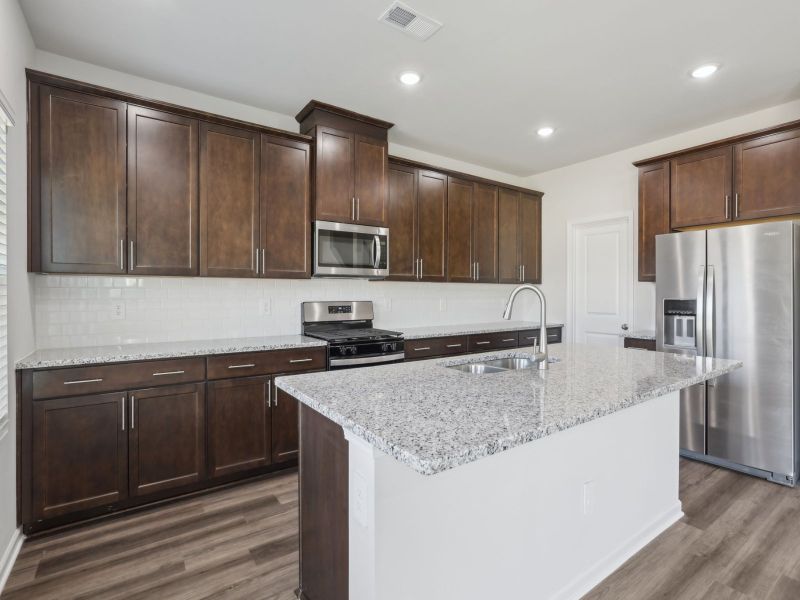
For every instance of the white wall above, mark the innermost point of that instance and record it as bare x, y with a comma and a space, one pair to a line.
608, 185
16, 52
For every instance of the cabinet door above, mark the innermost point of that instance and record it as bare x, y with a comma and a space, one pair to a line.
530, 234
432, 218
484, 226
285, 208
167, 438
768, 176
162, 193
81, 182
459, 230
653, 215
285, 438
701, 188
509, 265
371, 180
80, 454
334, 188
229, 201
239, 429
402, 223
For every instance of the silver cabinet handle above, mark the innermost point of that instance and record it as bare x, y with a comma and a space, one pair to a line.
353, 208
275, 397
122, 255
247, 366
727, 206
420, 268
482, 343
523, 272
421, 348
454, 345
258, 270
168, 373
509, 340
300, 360
131, 261
122, 410
269, 393
263, 261
133, 412
358, 209
77, 381
477, 271
736, 205
288, 453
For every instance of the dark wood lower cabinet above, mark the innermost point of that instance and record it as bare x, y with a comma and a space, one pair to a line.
80, 454
285, 435
166, 438
239, 425
640, 344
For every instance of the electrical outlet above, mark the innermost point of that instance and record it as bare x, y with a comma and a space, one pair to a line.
118, 310
265, 307
588, 497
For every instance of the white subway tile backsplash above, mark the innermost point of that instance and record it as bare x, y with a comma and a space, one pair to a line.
79, 310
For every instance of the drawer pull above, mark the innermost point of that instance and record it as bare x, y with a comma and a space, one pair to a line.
168, 373
531, 337
82, 381
454, 345
510, 340
421, 348
300, 360
288, 453
247, 366
482, 343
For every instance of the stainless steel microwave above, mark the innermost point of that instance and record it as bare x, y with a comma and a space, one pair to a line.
345, 250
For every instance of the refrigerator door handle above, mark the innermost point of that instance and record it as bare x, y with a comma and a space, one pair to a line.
699, 329
709, 321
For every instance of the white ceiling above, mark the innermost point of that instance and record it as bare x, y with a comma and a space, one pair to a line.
608, 74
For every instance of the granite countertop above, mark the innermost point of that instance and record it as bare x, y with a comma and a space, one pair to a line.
432, 418
416, 333
639, 334
70, 357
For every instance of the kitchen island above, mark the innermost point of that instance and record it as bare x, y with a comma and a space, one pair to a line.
420, 480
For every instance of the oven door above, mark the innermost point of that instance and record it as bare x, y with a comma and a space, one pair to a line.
345, 250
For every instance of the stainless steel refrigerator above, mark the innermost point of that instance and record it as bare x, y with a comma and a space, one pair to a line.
732, 292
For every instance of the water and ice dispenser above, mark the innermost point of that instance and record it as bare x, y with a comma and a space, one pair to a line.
680, 320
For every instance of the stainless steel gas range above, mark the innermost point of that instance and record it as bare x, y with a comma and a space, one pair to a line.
352, 340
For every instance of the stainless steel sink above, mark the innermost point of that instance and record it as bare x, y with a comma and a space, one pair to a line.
499, 365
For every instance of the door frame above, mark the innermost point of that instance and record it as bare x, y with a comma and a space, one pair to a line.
624, 217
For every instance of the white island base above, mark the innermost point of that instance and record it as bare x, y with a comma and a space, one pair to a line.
545, 520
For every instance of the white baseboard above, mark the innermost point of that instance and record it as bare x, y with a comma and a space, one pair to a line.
10, 556
582, 585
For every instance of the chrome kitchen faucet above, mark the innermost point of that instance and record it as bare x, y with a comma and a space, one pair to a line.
540, 353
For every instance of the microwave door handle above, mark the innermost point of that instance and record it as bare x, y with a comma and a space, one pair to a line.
377, 242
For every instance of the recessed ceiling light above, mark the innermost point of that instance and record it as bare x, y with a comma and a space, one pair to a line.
704, 71
545, 131
410, 78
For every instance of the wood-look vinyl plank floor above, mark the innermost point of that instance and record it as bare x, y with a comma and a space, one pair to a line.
739, 540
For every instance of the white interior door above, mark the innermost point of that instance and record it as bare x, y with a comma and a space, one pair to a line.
601, 279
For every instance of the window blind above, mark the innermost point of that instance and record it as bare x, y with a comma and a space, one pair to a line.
4, 123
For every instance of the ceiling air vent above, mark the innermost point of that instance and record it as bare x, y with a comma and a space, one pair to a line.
403, 17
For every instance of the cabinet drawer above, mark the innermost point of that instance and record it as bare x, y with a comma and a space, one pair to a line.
266, 363
527, 336
441, 346
640, 344
492, 341
77, 381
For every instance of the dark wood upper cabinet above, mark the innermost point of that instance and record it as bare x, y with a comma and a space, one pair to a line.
334, 186
87, 432
530, 237
653, 214
701, 188
285, 208
484, 227
767, 176
239, 425
167, 438
78, 182
460, 261
432, 225
371, 180
509, 267
162, 193
402, 211
229, 201
285, 435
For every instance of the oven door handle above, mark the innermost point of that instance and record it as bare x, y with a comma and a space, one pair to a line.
367, 360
